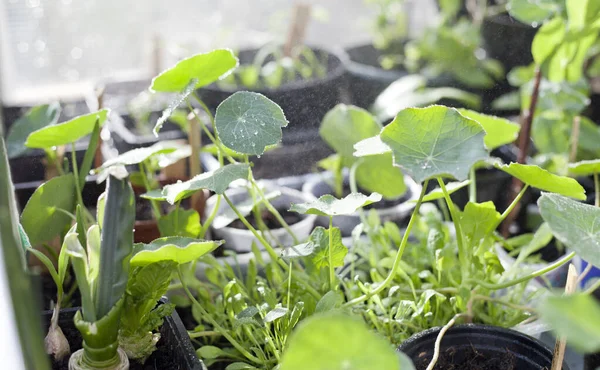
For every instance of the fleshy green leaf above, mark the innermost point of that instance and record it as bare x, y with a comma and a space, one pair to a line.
498, 131
328, 205
79, 260
346, 125
276, 313
544, 180
94, 244
178, 249
35, 119
574, 224
547, 39
478, 220
582, 12
217, 181
205, 67
180, 222
585, 168
66, 132
575, 317
41, 218
210, 352
435, 141
248, 122
337, 342
451, 187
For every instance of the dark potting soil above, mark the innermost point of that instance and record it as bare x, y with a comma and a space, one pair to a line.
143, 209
468, 359
269, 220
48, 292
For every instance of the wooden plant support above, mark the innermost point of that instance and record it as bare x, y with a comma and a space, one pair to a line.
297, 30
561, 343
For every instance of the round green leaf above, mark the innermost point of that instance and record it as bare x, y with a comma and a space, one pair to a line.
174, 248
337, 342
205, 67
35, 119
248, 122
371, 146
573, 223
585, 168
498, 131
328, 205
378, 174
217, 181
434, 141
66, 132
544, 180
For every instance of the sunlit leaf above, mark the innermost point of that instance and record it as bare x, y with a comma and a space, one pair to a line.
248, 122
544, 180
35, 119
328, 205
138, 155
451, 187
498, 131
177, 249
318, 248
585, 168
174, 104
435, 141
371, 146
533, 12
478, 220
180, 222
378, 174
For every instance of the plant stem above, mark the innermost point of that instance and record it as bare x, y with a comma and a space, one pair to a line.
463, 255
396, 265
76, 175
574, 138
205, 333
211, 217
216, 325
438, 340
512, 205
472, 186
331, 268
155, 208
597, 189
592, 287
530, 276
273, 210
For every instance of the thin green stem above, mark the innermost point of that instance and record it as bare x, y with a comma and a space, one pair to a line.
76, 175
155, 207
219, 328
463, 253
289, 292
274, 211
512, 205
592, 287
597, 189
330, 255
528, 277
472, 186
204, 333
211, 217
392, 274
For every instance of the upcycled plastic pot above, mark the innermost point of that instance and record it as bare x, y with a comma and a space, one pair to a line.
175, 350
490, 344
304, 102
397, 213
240, 240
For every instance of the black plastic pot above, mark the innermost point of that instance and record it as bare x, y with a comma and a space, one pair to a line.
497, 347
304, 102
175, 350
508, 40
591, 361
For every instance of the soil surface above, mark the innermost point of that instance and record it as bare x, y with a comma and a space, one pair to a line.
467, 359
269, 220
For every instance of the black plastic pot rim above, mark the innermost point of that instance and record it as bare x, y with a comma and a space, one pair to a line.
374, 72
337, 73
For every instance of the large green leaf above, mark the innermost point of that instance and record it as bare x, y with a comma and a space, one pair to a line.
66, 132
249, 122
544, 180
575, 224
116, 245
180, 222
435, 141
371, 146
177, 249
378, 174
206, 68
35, 119
575, 317
328, 205
498, 131
317, 247
338, 342
217, 181
478, 220
585, 168
346, 125
42, 219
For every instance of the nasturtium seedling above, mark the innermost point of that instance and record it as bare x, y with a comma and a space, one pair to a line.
206, 68
318, 248
180, 222
328, 205
217, 180
249, 122
573, 223
544, 180
173, 105
498, 131
66, 132
435, 141
175, 248
478, 221
338, 342
36, 118
585, 168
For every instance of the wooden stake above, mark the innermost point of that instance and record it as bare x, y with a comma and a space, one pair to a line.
574, 139
297, 30
195, 140
561, 343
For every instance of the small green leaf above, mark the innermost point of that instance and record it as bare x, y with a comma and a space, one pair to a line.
498, 131
66, 132
329, 301
90, 154
35, 119
378, 174
328, 205
178, 249
585, 168
180, 98
478, 220
547, 39
240, 366
139, 155
319, 239
435, 141
451, 187
337, 342
574, 224
575, 317
248, 122
544, 180
205, 67
532, 12
217, 180
582, 12
276, 313
79, 260
41, 218
180, 222
371, 146
210, 352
